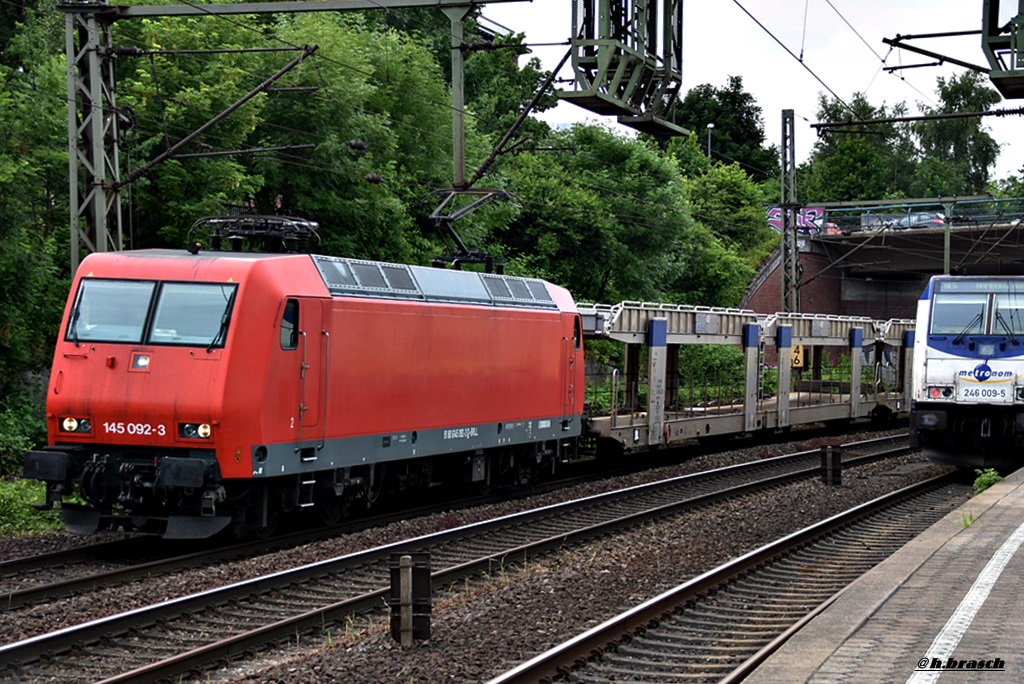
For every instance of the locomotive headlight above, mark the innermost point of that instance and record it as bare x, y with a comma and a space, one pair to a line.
194, 430
987, 350
1019, 392
940, 392
72, 424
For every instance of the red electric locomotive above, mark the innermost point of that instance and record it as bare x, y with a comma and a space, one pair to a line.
198, 391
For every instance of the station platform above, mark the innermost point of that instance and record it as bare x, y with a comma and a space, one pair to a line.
947, 607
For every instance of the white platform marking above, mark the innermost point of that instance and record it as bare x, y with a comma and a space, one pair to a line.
947, 640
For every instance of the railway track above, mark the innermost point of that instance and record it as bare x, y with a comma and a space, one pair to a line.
719, 626
34, 579
128, 647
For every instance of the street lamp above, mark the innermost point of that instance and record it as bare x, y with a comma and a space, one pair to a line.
710, 128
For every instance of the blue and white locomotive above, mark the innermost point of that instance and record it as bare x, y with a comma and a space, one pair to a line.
968, 372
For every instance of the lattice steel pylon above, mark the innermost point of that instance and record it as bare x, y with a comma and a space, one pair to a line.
94, 119
627, 59
1003, 45
790, 266
93, 166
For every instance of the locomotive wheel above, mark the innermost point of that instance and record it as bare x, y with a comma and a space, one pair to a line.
332, 510
376, 484
267, 531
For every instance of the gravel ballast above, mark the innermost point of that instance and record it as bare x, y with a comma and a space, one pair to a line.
485, 627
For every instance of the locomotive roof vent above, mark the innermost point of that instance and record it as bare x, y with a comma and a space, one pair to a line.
276, 234
360, 278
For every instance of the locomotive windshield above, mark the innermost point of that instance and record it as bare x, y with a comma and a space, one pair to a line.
1009, 314
978, 313
959, 314
138, 311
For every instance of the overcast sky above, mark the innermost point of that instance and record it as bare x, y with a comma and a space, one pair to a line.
842, 45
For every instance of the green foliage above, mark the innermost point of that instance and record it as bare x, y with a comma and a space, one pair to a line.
30, 32
738, 133
612, 221
688, 155
1012, 186
856, 170
865, 163
961, 147
708, 272
725, 200
171, 95
17, 517
605, 219
33, 236
22, 427
387, 93
499, 89
937, 157
710, 373
986, 478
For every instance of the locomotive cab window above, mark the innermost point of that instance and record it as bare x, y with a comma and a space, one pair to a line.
110, 311
959, 314
193, 314
290, 324
1009, 314
144, 311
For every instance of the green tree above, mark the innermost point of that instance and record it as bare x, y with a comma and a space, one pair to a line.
738, 133
171, 95
381, 126
33, 245
611, 220
498, 89
1010, 187
602, 219
33, 234
30, 32
862, 162
958, 154
729, 203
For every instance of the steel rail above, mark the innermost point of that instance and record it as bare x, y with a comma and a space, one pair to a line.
18, 566
211, 551
33, 648
196, 659
563, 658
36, 593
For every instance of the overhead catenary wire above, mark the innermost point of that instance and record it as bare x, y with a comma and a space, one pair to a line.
446, 104
798, 59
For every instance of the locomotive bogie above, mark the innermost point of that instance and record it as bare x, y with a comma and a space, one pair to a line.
974, 436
